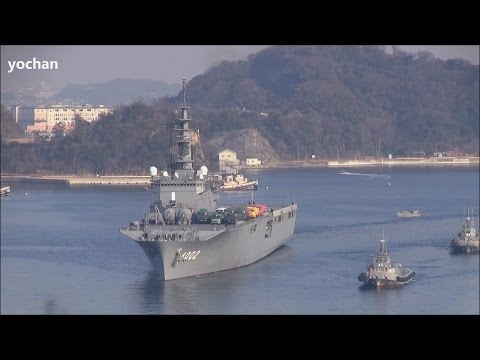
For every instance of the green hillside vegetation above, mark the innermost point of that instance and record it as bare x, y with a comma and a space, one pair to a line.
295, 100
320, 98
127, 140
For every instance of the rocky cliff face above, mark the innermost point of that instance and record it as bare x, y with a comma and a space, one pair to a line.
197, 151
247, 143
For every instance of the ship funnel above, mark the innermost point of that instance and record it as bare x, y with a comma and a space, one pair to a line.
153, 171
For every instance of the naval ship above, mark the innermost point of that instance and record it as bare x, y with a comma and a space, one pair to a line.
177, 237
384, 273
467, 240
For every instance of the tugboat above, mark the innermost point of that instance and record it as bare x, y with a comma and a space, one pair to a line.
467, 240
384, 273
238, 183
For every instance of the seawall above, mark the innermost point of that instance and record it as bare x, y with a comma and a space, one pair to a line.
434, 161
79, 180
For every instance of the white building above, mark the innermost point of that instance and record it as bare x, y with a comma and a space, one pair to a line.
227, 161
45, 118
228, 157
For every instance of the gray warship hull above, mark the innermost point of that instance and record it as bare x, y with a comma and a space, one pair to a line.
206, 248
177, 233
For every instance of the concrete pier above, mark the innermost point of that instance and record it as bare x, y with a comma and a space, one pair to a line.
79, 180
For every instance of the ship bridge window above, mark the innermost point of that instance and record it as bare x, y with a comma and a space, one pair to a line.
253, 228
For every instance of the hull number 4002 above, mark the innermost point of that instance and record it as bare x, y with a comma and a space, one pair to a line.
185, 256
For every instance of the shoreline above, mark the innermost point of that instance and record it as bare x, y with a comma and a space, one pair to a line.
354, 163
144, 180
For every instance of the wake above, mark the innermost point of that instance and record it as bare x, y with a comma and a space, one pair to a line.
378, 176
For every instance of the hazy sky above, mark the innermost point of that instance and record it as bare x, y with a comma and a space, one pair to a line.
169, 63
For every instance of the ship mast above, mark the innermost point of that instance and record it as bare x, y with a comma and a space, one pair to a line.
184, 160
381, 256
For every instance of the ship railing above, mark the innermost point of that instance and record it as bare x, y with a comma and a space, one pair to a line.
133, 226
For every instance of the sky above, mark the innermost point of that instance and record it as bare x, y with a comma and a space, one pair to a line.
82, 64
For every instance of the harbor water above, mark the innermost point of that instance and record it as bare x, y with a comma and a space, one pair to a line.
62, 252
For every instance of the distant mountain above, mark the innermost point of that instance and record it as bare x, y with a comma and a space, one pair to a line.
116, 92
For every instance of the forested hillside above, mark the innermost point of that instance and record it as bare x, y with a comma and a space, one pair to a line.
131, 139
320, 98
285, 102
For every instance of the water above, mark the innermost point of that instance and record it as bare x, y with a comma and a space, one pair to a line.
62, 253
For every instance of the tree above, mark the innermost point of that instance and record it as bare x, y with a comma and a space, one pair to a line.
59, 130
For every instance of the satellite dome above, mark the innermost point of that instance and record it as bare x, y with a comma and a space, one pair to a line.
184, 216
165, 173
169, 215
153, 171
204, 170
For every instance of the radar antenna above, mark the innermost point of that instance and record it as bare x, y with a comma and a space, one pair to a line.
184, 86
184, 161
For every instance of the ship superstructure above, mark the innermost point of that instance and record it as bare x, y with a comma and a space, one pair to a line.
177, 233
